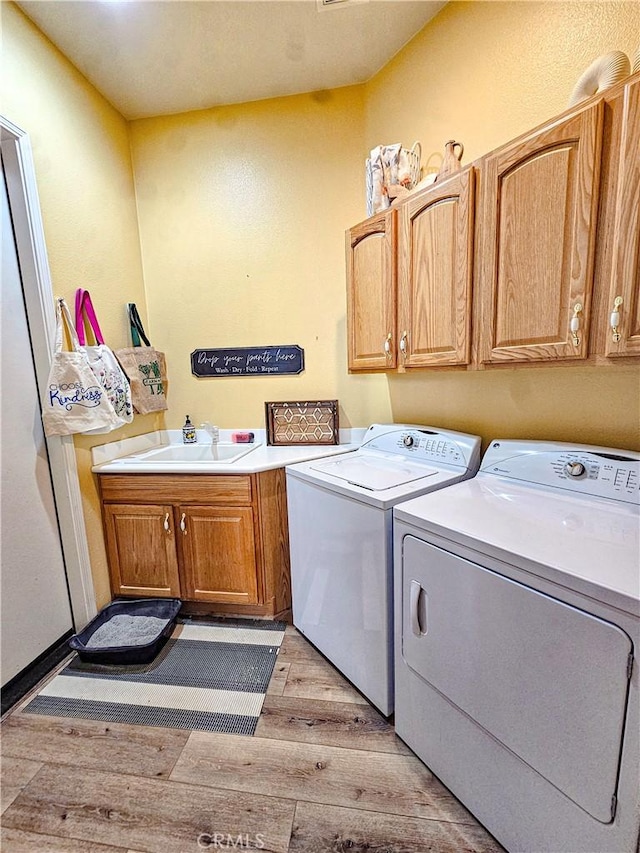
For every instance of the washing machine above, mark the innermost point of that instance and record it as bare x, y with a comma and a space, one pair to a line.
341, 544
518, 624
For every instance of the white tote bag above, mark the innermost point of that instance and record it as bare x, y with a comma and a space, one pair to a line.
103, 363
73, 400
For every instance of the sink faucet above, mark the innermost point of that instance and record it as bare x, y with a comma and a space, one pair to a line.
213, 431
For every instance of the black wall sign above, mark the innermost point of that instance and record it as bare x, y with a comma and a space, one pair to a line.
248, 361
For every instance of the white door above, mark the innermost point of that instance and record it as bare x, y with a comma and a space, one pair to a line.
35, 606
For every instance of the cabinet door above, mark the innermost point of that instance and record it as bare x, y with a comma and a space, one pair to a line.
539, 202
218, 552
625, 283
435, 253
371, 293
141, 549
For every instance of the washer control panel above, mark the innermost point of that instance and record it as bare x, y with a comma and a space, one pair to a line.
424, 444
599, 471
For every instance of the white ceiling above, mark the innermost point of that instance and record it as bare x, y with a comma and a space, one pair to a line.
155, 57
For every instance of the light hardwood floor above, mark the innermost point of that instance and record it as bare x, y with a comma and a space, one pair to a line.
324, 773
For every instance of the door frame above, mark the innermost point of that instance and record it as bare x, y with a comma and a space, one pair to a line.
38, 293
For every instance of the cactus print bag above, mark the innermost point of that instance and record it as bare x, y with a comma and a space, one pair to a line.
146, 368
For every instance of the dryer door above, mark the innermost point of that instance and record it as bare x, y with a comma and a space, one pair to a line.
547, 680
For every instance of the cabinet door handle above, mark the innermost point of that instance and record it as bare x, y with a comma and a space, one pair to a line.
183, 524
387, 346
615, 319
166, 525
403, 345
575, 324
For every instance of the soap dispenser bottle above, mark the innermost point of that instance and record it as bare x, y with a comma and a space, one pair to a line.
189, 432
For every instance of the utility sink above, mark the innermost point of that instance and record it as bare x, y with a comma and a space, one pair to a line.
221, 451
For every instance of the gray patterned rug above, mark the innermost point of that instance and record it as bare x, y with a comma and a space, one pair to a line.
211, 675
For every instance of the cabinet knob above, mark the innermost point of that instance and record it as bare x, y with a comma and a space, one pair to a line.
183, 524
575, 324
615, 319
387, 346
166, 525
403, 345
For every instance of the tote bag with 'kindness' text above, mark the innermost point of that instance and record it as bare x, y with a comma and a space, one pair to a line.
73, 400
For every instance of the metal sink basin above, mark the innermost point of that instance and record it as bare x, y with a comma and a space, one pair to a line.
180, 453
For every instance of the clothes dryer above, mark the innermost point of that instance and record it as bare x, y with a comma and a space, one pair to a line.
517, 632
340, 531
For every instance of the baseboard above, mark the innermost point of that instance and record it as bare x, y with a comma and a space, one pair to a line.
14, 690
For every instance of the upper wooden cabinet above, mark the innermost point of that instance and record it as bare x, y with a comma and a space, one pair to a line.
371, 293
434, 247
536, 242
435, 270
537, 268
624, 294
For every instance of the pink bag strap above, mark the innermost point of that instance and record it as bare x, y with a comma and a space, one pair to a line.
84, 306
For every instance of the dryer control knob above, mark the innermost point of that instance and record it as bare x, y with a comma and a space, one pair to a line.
574, 469
408, 441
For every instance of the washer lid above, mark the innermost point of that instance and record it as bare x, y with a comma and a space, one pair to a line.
375, 473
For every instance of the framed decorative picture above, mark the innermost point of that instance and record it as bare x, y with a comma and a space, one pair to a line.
302, 422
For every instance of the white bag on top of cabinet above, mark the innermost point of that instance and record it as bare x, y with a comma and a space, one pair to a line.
74, 401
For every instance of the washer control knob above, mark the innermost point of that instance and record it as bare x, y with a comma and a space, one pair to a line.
408, 441
574, 469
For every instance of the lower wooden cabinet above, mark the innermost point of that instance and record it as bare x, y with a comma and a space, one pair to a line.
217, 541
142, 551
219, 554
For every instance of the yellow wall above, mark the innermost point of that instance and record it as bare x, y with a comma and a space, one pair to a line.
85, 183
482, 73
242, 212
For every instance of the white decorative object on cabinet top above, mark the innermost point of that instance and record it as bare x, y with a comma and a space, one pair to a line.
603, 73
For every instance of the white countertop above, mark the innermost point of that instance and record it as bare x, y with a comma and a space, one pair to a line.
123, 457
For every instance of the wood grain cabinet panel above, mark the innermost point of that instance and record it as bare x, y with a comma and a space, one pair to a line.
531, 255
141, 550
371, 293
624, 294
220, 540
539, 202
271, 487
218, 551
222, 489
435, 271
